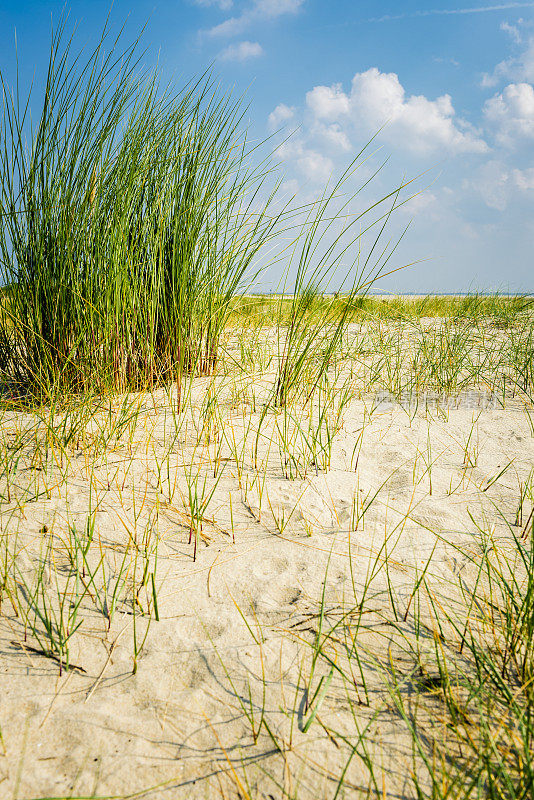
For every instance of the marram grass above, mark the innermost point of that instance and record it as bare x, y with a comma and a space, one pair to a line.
128, 222
133, 215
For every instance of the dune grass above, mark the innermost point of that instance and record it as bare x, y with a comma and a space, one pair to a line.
133, 215
129, 221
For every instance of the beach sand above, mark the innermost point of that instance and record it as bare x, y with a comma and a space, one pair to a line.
232, 657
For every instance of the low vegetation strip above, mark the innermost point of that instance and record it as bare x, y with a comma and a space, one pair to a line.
502, 309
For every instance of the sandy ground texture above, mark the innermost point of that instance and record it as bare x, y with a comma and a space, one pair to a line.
263, 663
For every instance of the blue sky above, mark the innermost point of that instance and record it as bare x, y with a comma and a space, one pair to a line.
452, 83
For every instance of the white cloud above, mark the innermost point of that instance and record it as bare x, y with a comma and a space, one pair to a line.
328, 102
275, 8
413, 123
280, 115
419, 202
315, 166
241, 51
513, 30
511, 113
312, 165
433, 12
224, 5
417, 123
517, 68
289, 188
493, 183
498, 184
332, 119
333, 136
260, 10
524, 179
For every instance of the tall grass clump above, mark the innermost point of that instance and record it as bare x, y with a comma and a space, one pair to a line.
128, 220
131, 217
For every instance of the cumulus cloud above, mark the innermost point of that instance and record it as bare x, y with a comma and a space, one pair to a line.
328, 102
333, 118
511, 113
413, 123
241, 51
280, 116
259, 11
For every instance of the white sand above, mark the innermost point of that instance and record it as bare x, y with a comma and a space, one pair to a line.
176, 724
